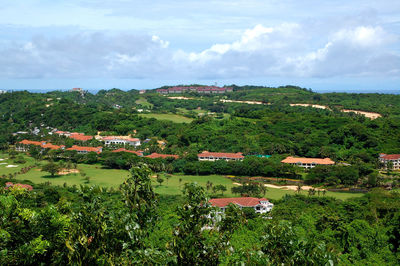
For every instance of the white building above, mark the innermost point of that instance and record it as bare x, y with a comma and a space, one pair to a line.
111, 140
214, 156
394, 158
307, 162
260, 205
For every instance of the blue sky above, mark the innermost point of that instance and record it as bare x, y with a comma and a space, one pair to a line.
332, 45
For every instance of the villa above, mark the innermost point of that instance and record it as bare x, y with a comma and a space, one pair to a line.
214, 156
85, 150
260, 205
25, 144
138, 153
307, 162
394, 158
119, 140
164, 156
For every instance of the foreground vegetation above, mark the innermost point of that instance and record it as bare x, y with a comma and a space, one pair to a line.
60, 225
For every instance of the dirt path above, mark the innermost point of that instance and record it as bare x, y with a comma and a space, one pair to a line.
369, 115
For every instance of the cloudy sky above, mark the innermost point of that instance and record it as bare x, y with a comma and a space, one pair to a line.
336, 45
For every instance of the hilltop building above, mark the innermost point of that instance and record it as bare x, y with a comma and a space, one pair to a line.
24, 145
214, 156
118, 140
198, 89
260, 205
307, 162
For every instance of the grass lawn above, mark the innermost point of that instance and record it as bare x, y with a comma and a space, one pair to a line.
98, 176
170, 117
4, 161
143, 102
174, 187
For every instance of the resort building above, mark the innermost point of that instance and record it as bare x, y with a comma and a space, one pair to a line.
119, 140
84, 150
394, 158
260, 205
198, 89
25, 144
74, 135
138, 153
214, 156
164, 156
307, 162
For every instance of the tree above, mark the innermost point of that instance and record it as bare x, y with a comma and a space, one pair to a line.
221, 188
51, 168
389, 167
160, 180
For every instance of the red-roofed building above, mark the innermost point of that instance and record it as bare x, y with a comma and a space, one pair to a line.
214, 156
260, 205
138, 153
394, 158
80, 136
27, 187
198, 89
25, 144
117, 140
84, 150
157, 155
307, 162
63, 133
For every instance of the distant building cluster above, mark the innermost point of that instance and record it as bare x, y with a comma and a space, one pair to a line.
198, 89
74, 135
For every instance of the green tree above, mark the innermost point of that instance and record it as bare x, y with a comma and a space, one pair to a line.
51, 168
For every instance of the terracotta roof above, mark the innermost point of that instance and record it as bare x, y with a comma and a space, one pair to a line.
291, 159
31, 142
138, 153
52, 147
121, 138
157, 155
244, 201
390, 156
80, 136
88, 149
237, 155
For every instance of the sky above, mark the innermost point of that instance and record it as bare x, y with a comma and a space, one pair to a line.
336, 45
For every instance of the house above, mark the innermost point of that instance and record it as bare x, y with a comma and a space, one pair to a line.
80, 136
307, 162
142, 91
84, 150
394, 158
62, 133
138, 153
213, 156
118, 140
260, 205
77, 89
157, 155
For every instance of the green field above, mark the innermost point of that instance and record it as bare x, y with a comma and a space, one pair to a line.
143, 102
170, 117
113, 178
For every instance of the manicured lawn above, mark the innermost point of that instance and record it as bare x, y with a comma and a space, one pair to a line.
143, 102
174, 187
98, 176
4, 161
170, 117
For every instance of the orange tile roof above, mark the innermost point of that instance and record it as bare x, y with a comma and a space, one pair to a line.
244, 201
88, 149
157, 155
237, 155
122, 138
51, 146
31, 142
138, 153
325, 161
80, 136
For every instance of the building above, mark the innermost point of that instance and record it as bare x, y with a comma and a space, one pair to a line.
118, 140
85, 150
138, 153
197, 89
77, 89
164, 156
260, 205
142, 91
25, 144
74, 135
394, 158
214, 156
307, 162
